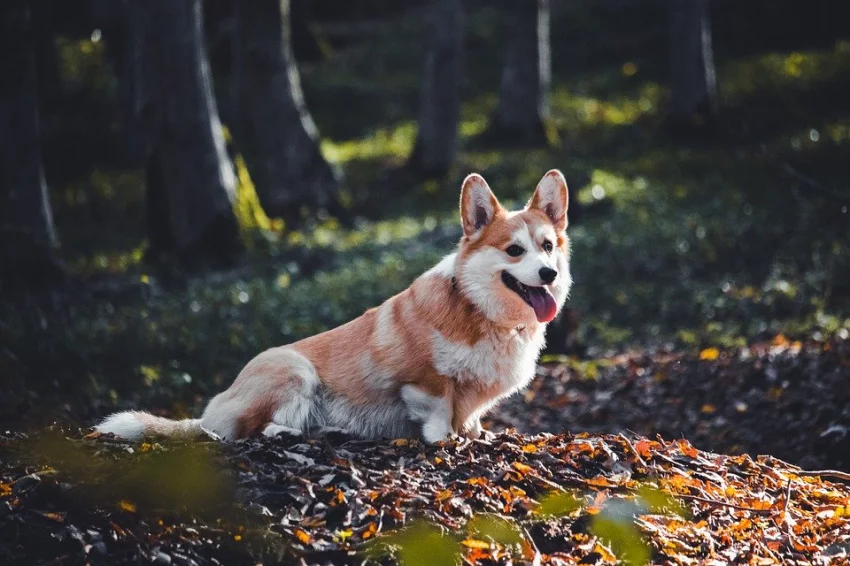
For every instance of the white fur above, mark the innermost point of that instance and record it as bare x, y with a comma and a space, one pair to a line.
125, 425
295, 404
294, 411
478, 274
373, 376
385, 419
544, 232
444, 269
435, 413
276, 429
131, 426
564, 282
386, 332
509, 360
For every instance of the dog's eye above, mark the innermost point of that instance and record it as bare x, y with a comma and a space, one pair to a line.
515, 250
547, 246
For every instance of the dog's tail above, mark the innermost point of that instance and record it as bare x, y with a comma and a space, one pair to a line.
136, 425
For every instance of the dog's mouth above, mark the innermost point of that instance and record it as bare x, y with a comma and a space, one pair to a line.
538, 298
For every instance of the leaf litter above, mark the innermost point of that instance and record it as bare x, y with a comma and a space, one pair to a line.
518, 498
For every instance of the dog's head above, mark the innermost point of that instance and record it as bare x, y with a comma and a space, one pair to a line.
515, 266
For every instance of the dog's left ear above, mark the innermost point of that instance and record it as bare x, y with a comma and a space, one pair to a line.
552, 198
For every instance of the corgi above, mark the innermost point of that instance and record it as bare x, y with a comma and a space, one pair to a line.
431, 360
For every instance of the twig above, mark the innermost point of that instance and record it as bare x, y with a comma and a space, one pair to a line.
764, 547
787, 496
825, 473
536, 556
723, 504
813, 183
633, 449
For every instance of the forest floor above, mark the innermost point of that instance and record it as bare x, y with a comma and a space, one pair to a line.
536, 498
711, 303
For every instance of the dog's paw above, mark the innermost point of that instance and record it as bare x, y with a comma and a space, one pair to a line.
487, 435
275, 429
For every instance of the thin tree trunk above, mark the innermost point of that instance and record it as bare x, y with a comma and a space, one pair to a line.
27, 237
523, 108
694, 84
439, 104
190, 180
275, 130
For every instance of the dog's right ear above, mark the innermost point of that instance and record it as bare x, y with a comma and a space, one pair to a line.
478, 204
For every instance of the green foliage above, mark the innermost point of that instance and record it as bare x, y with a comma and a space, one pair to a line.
174, 478
420, 544
558, 504
626, 542
495, 528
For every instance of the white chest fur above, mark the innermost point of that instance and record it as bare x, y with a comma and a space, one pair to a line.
507, 360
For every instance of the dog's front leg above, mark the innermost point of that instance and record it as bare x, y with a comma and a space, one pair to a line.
473, 429
435, 413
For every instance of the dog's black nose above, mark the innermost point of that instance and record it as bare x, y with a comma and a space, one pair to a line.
547, 275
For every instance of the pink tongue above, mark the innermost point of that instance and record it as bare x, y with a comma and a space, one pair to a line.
543, 304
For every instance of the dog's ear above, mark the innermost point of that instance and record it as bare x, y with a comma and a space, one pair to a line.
551, 197
478, 204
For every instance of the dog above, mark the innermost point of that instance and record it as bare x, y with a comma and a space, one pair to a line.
431, 360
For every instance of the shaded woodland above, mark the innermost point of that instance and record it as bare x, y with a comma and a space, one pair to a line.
184, 183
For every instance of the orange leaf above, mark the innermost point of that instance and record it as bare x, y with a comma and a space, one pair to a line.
687, 449
58, 517
529, 448
303, 537
524, 468
709, 354
445, 494
643, 448
370, 531
601, 481
127, 506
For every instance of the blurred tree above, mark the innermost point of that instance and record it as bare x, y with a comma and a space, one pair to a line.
694, 85
27, 237
439, 104
522, 113
190, 180
274, 128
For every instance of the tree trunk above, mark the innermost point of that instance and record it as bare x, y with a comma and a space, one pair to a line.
27, 237
275, 131
694, 84
523, 109
439, 104
190, 180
